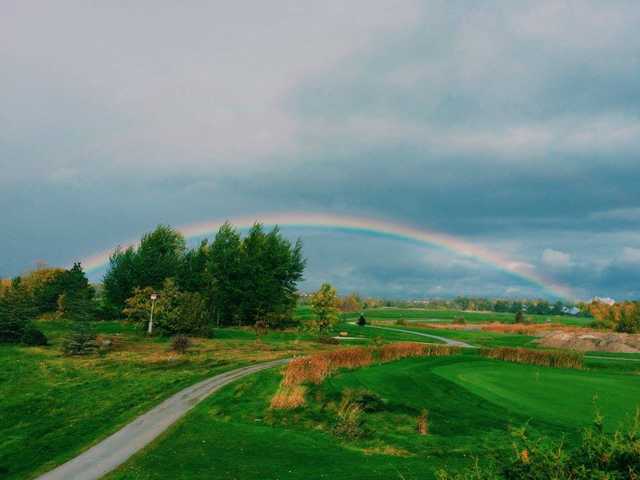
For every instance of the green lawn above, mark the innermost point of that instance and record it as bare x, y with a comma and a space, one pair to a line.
471, 401
419, 314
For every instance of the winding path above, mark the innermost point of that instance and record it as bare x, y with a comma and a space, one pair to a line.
448, 341
116, 449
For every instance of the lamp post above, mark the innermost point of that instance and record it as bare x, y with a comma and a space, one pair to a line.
154, 297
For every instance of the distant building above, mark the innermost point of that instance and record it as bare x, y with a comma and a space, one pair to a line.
605, 300
571, 311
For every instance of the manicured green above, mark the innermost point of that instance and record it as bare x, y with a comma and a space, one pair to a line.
471, 402
419, 314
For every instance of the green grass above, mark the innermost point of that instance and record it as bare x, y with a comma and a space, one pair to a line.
471, 401
419, 314
52, 407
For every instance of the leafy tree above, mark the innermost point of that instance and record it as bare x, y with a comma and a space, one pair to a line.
76, 299
271, 267
324, 303
174, 312
16, 312
192, 273
120, 279
351, 303
225, 269
158, 257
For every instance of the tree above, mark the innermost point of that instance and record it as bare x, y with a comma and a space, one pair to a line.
121, 279
158, 257
351, 303
192, 273
224, 267
519, 318
75, 301
271, 267
16, 312
174, 312
324, 303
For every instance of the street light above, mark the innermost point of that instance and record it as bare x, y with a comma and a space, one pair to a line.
154, 297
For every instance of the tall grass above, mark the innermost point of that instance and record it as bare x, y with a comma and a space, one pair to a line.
396, 351
543, 358
314, 369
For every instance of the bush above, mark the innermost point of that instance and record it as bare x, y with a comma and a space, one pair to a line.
82, 340
180, 343
459, 321
401, 321
34, 337
362, 321
613, 456
348, 419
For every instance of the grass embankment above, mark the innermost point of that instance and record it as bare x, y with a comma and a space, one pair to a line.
471, 403
52, 407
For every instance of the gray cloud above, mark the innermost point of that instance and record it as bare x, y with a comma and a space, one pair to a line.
495, 122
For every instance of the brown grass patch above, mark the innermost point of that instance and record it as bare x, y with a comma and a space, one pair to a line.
396, 351
289, 397
515, 328
543, 358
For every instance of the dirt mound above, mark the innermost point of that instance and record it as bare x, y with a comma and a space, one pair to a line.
593, 341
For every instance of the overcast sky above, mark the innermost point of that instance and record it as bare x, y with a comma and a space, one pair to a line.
515, 125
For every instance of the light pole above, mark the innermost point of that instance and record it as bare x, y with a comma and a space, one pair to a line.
154, 297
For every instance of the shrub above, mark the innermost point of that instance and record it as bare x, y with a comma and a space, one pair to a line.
423, 423
401, 321
599, 455
543, 358
34, 337
519, 318
82, 340
459, 321
180, 343
348, 419
362, 321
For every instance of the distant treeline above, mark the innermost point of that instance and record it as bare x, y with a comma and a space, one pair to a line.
482, 304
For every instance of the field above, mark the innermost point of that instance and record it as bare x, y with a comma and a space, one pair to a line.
53, 407
471, 403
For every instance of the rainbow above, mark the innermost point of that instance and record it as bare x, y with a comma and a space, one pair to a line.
365, 225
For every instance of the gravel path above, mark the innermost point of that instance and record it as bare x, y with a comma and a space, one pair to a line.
448, 341
116, 449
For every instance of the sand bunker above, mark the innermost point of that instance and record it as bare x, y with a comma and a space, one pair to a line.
593, 341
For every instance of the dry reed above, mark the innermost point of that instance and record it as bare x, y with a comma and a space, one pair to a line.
544, 358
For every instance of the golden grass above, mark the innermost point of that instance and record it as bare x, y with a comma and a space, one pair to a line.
396, 351
314, 369
544, 358
289, 397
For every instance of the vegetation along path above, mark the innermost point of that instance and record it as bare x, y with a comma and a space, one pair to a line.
116, 449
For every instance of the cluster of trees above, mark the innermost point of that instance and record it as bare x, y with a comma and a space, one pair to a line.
233, 280
621, 317
66, 293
